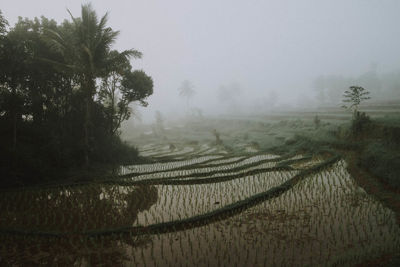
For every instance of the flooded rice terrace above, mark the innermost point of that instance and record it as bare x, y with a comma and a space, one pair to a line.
200, 205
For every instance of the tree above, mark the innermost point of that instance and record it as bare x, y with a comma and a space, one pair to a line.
186, 90
118, 91
231, 96
355, 95
86, 46
159, 122
328, 88
3, 24
218, 141
371, 80
57, 100
15, 58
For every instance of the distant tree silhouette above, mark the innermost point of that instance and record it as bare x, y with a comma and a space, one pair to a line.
218, 141
355, 95
186, 91
159, 122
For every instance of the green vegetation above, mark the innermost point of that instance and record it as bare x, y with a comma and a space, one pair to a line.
277, 190
378, 144
205, 207
355, 95
382, 160
63, 96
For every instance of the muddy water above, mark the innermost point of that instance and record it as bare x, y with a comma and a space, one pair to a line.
183, 201
326, 219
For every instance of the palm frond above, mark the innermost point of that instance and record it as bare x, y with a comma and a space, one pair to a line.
54, 40
102, 23
59, 65
72, 17
131, 53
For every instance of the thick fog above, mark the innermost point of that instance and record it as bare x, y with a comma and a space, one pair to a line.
215, 57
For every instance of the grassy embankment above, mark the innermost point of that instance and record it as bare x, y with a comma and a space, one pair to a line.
371, 150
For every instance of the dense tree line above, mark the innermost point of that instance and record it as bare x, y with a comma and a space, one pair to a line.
64, 93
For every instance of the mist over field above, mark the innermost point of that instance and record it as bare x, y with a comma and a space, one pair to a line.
249, 56
200, 133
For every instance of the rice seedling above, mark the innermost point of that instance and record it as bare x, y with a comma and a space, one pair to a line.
203, 210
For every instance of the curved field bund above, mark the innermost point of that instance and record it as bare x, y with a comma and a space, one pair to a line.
211, 209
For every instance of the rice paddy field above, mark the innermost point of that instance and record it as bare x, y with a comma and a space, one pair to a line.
201, 204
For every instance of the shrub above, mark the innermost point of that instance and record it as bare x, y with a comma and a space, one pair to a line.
360, 123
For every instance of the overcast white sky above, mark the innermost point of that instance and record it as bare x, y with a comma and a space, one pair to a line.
279, 45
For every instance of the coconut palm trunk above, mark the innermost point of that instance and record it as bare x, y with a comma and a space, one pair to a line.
14, 123
90, 89
86, 133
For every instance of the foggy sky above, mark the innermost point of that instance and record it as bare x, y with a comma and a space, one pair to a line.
262, 46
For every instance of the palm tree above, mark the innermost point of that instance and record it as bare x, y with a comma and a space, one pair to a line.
85, 44
186, 90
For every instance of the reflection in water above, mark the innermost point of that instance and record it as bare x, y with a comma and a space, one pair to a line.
325, 219
72, 210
